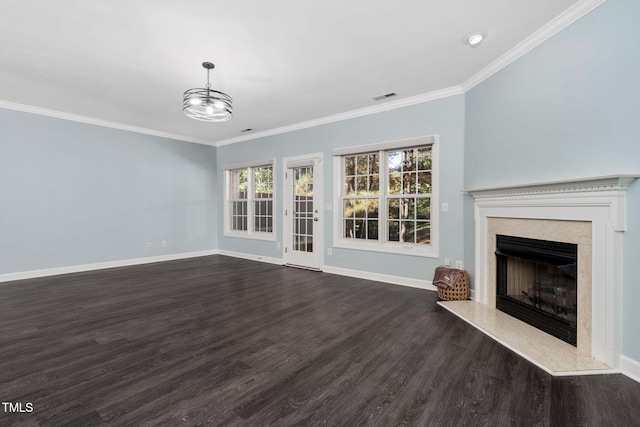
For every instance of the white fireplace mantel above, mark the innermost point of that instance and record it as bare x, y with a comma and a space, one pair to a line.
602, 183
598, 200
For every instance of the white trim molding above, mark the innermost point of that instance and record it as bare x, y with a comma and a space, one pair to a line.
594, 183
630, 368
378, 108
250, 164
347, 272
378, 277
99, 122
100, 266
598, 200
252, 257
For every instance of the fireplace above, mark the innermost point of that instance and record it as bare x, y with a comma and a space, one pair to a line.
589, 212
536, 282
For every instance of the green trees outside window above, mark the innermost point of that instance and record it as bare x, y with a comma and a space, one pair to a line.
251, 199
405, 196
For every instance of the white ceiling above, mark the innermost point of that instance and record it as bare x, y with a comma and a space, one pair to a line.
283, 62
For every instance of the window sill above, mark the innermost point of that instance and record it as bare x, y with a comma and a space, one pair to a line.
425, 251
252, 236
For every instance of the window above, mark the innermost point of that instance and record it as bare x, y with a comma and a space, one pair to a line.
238, 199
385, 197
409, 195
361, 196
263, 199
249, 211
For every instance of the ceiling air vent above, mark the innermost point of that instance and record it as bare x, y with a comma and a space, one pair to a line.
385, 96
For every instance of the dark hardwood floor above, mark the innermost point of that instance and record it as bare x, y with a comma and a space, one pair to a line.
223, 341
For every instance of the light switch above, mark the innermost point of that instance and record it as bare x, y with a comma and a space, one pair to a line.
445, 207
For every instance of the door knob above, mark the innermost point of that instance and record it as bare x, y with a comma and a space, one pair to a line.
315, 219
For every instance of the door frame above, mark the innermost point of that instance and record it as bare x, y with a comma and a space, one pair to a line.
317, 159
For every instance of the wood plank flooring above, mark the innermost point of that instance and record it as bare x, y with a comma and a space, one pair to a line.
229, 342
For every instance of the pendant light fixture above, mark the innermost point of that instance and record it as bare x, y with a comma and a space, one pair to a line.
207, 104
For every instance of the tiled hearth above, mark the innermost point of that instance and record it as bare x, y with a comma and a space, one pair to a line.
588, 212
549, 353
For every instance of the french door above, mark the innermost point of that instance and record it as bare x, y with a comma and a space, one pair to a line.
303, 219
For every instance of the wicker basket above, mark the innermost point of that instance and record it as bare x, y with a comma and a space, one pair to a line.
459, 292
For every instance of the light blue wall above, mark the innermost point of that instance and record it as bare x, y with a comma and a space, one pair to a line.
73, 194
443, 117
567, 109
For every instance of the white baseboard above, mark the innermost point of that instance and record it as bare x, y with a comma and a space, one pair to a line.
99, 266
630, 368
395, 280
251, 257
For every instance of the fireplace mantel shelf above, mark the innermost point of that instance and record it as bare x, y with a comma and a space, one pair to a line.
579, 185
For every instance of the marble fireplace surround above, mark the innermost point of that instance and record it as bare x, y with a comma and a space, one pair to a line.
590, 212
577, 232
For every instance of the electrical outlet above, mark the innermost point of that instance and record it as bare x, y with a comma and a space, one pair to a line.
459, 265
164, 243
447, 262
329, 251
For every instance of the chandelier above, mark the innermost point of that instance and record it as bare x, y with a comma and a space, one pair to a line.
207, 104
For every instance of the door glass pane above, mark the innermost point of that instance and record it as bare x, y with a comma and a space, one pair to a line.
302, 209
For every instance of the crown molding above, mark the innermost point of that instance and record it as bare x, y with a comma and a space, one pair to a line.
556, 25
562, 21
97, 122
387, 106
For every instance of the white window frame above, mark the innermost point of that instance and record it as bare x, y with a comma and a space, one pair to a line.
249, 233
430, 250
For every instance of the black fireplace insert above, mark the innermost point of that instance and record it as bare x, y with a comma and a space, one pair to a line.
537, 283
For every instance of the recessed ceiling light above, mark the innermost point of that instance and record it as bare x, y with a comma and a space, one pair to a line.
474, 39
